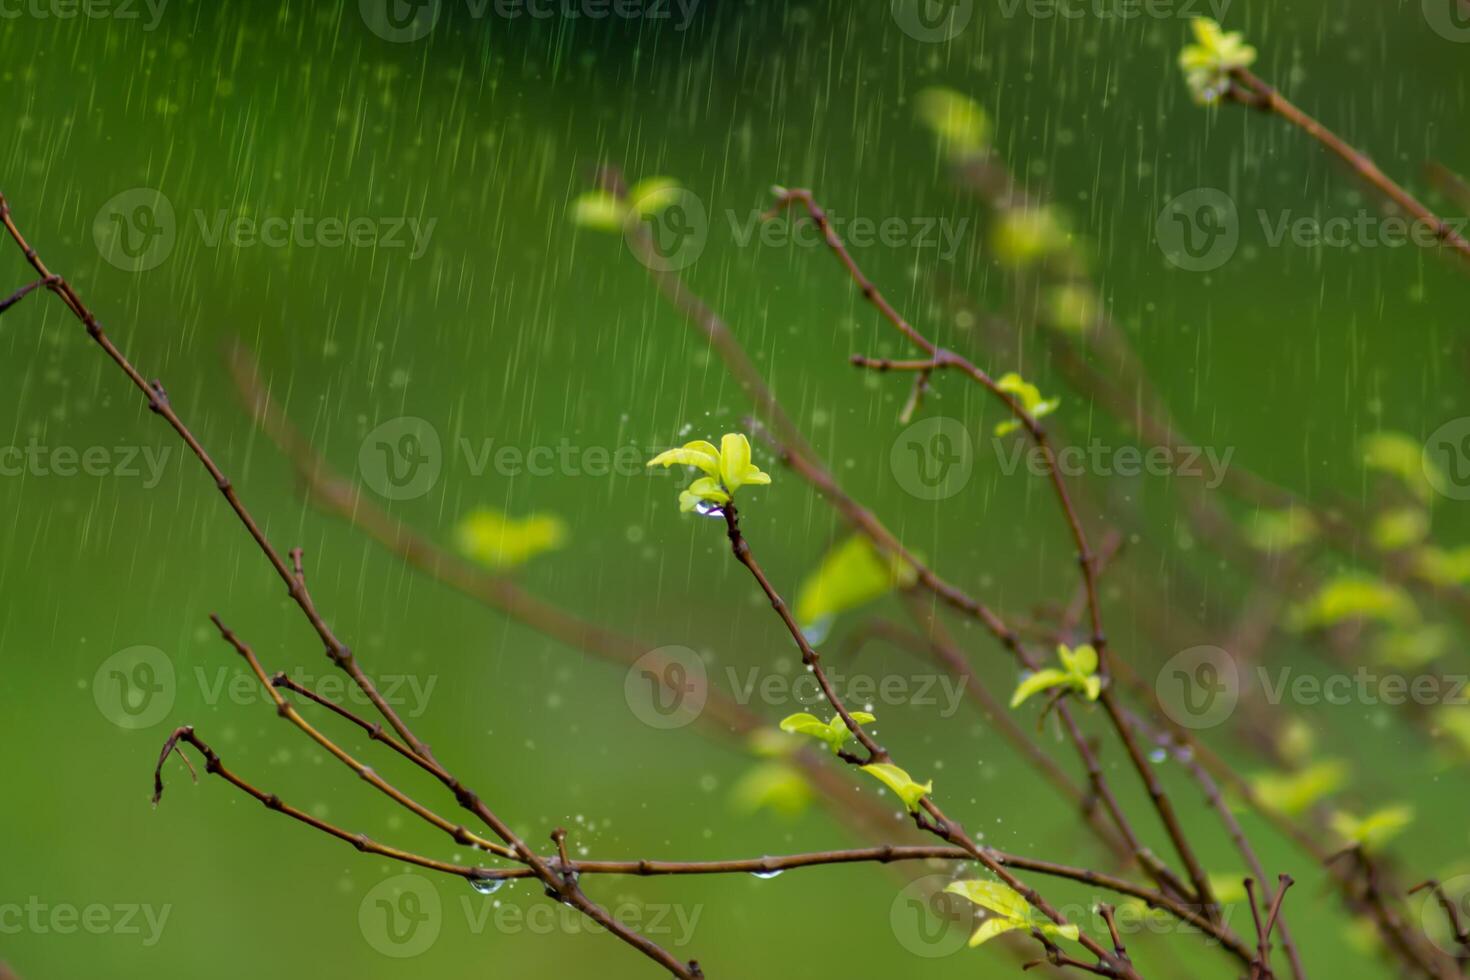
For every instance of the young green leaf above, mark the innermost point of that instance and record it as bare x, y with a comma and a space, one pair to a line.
853, 573
1207, 64
498, 540
835, 733
902, 784
1008, 911
1077, 673
1029, 398
726, 470
1374, 830
1293, 793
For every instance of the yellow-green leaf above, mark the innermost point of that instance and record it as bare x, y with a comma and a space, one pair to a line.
599, 211
1354, 596
1394, 530
1401, 457
1374, 830
1280, 530
961, 125
493, 538
1293, 793
1208, 62
851, 574
772, 786
903, 785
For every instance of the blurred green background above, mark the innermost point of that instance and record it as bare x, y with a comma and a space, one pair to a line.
511, 325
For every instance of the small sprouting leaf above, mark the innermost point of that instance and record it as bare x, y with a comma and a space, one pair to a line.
1374, 830
961, 125
1293, 793
1275, 531
1412, 647
834, 733
1442, 567
1029, 398
902, 784
1077, 673
772, 786
1008, 911
851, 574
1400, 456
652, 194
1207, 64
599, 211
726, 470
493, 538
698, 453
1354, 596
736, 469
1070, 308
1394, 530
1228, 889
1026, 234
1453, 721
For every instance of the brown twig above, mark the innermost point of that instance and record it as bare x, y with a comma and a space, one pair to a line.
942, 359
1250, 90
338, 652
